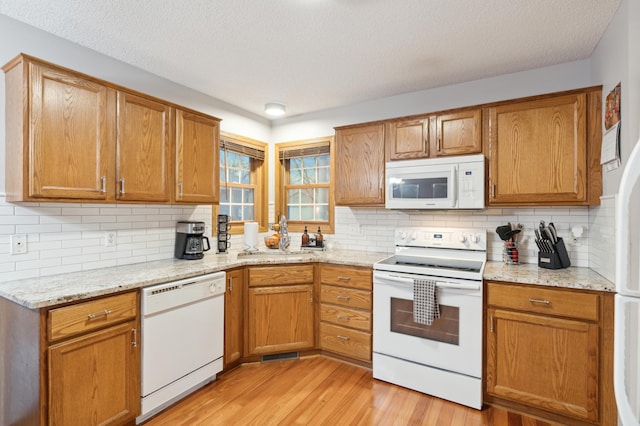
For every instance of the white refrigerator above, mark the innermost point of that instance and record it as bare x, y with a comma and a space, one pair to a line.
627, 315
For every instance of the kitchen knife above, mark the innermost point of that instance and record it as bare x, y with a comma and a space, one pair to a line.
554, 233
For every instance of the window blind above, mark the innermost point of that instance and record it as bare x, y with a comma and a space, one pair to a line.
320, 149
249, 151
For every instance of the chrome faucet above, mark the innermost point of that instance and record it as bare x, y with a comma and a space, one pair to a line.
284, 234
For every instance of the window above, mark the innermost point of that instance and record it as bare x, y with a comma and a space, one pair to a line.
243, 182
304, 191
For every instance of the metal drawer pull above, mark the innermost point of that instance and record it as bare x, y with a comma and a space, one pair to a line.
134, 342
546, 302
343, 317
341, 278
339, 336
99, 314
340, 296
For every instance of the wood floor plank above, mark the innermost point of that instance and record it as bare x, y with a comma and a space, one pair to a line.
318, 390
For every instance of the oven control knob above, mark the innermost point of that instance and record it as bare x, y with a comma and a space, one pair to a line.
474, 238
414, 236
462, 238
403, 235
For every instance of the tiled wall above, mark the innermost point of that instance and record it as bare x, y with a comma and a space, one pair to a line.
372, 229
67, 237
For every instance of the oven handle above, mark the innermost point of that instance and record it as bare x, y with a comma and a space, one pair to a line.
439, 284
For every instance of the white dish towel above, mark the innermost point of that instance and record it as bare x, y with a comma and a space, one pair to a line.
425, 301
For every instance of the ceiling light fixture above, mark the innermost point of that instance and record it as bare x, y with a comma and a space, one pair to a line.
274, 108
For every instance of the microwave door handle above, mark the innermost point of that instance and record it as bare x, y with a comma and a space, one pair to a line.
454, 185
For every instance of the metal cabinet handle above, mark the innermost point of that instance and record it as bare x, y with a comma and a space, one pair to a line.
341, 278
491, 323
134, 333
546, 302
180, 189
99, 314
122, 186
103, 181
342, 297
343, 317
311, 296
339, 336
439, 142
493, 190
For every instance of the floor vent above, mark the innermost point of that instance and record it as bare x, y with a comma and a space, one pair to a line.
280, 357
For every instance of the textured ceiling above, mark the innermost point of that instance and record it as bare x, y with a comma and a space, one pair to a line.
319, 54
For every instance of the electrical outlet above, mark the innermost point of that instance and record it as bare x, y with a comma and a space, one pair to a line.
109, 238
18, 244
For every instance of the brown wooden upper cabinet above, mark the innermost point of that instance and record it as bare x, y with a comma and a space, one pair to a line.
458, 133
143, 149
407, 139
59, 134
359, 160
454, 133
546, 151
72, 137
197, 158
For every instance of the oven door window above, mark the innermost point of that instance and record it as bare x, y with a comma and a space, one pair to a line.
445, 329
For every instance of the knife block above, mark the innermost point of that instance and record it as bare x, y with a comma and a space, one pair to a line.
557, 260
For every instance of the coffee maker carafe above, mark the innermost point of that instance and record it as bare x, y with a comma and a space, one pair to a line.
190, 240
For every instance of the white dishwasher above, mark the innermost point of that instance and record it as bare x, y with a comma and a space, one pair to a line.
182, 339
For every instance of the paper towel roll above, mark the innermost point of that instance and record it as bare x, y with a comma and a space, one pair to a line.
250, 236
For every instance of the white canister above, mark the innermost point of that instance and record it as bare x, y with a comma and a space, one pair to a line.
250, 236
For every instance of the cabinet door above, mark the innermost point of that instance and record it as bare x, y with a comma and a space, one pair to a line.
71, 136
281, 319
197, 158
538, 152
359, 178
94, 379
143, 149
406, 139
459, 133
233, 317
545, 362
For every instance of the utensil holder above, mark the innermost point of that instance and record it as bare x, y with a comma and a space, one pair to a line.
558, 259
510, 254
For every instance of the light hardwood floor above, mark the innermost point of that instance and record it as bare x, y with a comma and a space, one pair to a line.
320, 391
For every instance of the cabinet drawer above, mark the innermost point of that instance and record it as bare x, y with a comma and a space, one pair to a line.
87, 316
345, 317
355, 344
345, 297
566, 303
346, 276
280, 275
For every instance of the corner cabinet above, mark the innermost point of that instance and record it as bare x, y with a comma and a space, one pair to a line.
74, 138
359, 160
73, 365
546, 151
549, 352
281, 309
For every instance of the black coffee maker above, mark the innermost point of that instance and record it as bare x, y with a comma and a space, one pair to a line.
190, 240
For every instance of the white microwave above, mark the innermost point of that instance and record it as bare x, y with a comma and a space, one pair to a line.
436, 183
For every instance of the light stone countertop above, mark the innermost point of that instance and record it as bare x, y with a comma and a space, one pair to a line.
530, 273
35, 293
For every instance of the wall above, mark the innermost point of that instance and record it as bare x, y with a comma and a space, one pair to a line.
615, 60
70, 237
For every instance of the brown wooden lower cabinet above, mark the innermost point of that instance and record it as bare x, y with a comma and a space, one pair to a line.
72, 365
234, 317
550, 351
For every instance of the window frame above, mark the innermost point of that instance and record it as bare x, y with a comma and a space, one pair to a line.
282, 176
259, 173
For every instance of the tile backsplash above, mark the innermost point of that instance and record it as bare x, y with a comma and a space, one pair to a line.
68, 237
